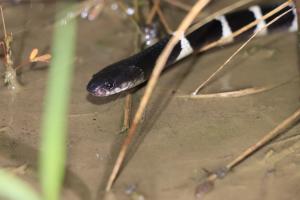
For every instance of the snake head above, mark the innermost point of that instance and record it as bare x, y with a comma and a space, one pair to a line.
100, 87
115, 79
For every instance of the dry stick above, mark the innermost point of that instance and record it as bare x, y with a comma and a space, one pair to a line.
247, 27
240, 31
230, 94
160, 63
210, 17
297, 4
179, 4
223, 11
96, 10
128, 99
127, 112
287, 123
156, 9
136, 8
207, 185
152, 12
3, 23
237, 93
10, 75
164, 21
77, 9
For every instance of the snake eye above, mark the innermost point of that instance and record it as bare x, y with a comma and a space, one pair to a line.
109, 84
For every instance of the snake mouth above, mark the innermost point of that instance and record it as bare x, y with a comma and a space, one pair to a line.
102, 91
96, 90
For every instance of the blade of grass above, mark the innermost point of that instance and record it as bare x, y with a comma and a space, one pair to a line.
13, 188
54, 127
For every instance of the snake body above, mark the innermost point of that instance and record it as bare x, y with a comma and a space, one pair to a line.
136, 69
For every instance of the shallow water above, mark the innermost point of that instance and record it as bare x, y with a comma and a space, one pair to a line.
178, 137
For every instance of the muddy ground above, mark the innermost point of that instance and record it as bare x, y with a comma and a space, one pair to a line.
178, 137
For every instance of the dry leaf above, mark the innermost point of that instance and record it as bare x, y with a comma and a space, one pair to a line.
43, 58
33, 54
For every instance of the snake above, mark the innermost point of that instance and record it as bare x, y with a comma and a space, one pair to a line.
134, 70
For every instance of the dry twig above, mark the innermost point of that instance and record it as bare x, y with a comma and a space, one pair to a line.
157, 10
208, 184
152, 12
245, 28
160, 63
279, 129
179, 4
164, 21
237, 93
230, 94
127, 113
218, 13
10, 76
92, 8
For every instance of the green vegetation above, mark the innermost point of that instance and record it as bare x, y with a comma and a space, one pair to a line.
11, 187
52, 157
54, 128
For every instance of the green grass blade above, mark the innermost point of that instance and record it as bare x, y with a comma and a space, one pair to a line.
54, 127
13, 188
